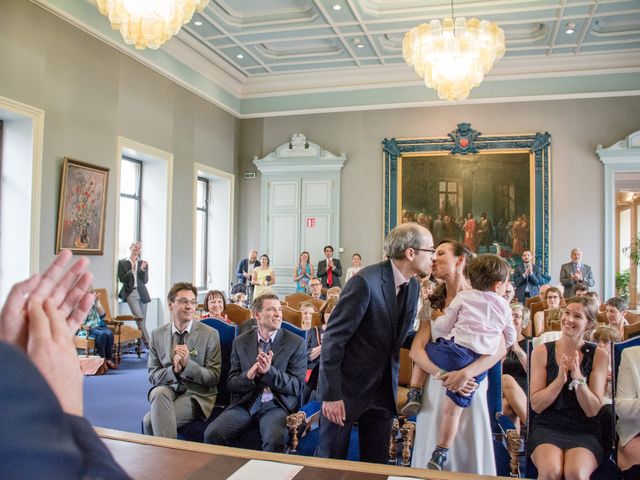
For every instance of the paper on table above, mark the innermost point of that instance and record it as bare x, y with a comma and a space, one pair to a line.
265, 471
401, 478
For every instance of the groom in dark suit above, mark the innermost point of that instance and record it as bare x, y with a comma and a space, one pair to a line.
360, 350
329, 269
268, 366
527, 278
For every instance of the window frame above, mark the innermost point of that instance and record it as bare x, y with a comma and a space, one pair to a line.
137, 197
206, 211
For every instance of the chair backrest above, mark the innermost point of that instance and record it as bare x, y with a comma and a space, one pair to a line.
103, 296
236, 313
537, 307
602, 317
632, 317
551, 321
317, 303
406, 365
293, 329
631, 331
530, 300
315, 320
227, 334
294, 300
291, 316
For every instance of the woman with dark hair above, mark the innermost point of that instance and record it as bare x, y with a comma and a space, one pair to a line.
356, 266
472, 450
314, 342
567, 384
215, 304
263, 277
514, 370
302, 273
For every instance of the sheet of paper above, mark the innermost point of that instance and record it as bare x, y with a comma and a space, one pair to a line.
263, 470
401, 478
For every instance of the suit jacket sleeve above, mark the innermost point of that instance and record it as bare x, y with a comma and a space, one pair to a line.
587, 279
322, 269
565, 277
291, 381
345, 320
209, 373
535, 277
158, 373
518, 277
337, 268
143, 275
627, 396
241, 269
125, 273
37, 439
237, 381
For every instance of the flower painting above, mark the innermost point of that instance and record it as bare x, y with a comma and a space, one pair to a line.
82, 209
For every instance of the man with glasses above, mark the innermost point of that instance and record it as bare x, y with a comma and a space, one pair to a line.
360, 349
184, 367
266, 378
315, 289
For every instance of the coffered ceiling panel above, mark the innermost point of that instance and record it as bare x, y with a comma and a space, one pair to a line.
284, 48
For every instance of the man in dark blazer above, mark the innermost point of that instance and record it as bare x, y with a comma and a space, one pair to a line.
43, 433
527, 278
360, 349
575, 272
184, 367
133, 273
266, 379
329, 270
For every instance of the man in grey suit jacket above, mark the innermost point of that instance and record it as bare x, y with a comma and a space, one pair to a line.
184, 367
360, 350
575, 272
266, 380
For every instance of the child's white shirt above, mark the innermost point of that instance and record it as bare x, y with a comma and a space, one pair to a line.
478, 320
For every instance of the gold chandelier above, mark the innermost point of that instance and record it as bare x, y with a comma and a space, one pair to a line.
454, 55
149, 23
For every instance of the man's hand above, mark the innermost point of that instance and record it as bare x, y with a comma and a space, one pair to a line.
264, 362
315, 352
180, 358
252, 372
143, 265
50, 347
68, 291
335, 412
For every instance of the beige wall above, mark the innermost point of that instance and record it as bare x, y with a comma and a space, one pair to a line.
91, 94
576, 126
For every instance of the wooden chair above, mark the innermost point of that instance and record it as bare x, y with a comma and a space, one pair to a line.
294, 317
551, 324
632, 317
84, 343
124, 335
317, 303
294, 300
530, 300
537, 307
404, 378
602, 317
631, 331
315, 320
237, 314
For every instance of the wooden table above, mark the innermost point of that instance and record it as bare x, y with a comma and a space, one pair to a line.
146, 457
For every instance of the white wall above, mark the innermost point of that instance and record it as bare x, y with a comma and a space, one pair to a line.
91, 94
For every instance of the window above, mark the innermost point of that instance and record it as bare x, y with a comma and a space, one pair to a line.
449, 198
506, 202
202, 233
130, 204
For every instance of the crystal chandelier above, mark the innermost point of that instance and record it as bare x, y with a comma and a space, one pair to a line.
454, 55
149, 23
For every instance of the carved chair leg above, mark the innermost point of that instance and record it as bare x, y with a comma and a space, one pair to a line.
293, 424
408, 433
514, 443
393, 446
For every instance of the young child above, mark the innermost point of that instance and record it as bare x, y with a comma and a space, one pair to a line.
475, 322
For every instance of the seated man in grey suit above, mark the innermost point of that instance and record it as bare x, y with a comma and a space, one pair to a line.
268, 365
575, 272
184, 367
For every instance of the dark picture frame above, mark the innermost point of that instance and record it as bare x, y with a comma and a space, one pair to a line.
505, 177
82, 208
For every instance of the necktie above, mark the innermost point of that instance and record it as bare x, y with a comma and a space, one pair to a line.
400, 298
329, 275
265, 346
180, 337
257, 402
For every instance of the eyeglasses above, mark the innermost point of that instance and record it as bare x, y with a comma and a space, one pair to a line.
428, 250
186, 301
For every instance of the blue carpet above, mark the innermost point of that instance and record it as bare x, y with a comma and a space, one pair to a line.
118, 399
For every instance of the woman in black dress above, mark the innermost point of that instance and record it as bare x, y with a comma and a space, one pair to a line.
314, 343
568, 379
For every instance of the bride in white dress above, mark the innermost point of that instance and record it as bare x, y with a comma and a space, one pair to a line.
472, 450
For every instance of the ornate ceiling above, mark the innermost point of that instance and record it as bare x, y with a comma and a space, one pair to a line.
270, 57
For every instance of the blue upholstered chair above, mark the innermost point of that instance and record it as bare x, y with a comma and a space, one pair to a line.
293, 329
